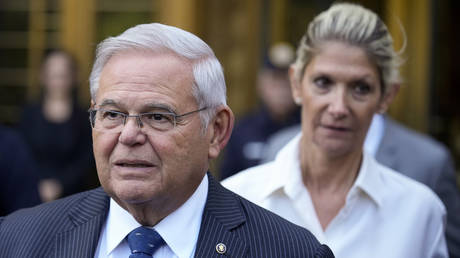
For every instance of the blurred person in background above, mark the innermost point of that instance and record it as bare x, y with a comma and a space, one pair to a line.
276, 111
345, 72
18, 176
57, 130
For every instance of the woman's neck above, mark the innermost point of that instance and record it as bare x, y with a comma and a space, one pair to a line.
321, 172
328, 179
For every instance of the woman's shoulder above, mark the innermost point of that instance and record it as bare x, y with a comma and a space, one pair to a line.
250, 181
407, 191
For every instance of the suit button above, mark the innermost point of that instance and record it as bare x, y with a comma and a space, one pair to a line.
221, 248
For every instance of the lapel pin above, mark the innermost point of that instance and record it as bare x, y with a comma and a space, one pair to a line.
221, 248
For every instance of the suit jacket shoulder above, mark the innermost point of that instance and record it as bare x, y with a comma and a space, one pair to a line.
247, 230
67, 227
396, 131
413, 154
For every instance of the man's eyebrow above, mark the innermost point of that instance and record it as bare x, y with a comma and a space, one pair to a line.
107, 102
160, 106
111, 102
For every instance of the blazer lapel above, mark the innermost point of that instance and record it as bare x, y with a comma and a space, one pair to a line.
87, 218
222, 213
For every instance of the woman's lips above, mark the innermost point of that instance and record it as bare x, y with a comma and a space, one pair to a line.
337, 127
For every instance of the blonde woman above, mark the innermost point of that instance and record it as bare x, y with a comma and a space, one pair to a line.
345, 72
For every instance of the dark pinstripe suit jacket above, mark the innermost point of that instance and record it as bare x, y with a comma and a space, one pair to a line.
70, 227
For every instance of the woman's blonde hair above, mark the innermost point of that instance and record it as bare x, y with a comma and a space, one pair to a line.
357, 26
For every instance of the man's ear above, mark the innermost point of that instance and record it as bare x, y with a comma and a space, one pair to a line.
220, 129
295, 86
92, 104
388, 98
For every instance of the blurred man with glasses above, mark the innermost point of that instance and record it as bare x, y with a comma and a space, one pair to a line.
159, 115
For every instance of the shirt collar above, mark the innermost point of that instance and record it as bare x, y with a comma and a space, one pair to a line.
374, 134
287, 175
179, 229
368, 181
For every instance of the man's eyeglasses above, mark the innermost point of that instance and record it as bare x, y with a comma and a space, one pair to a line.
113, 121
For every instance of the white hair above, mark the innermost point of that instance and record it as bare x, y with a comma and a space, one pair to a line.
208, 86
355, 25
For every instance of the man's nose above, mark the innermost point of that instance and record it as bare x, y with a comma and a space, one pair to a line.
339, 106
131, 133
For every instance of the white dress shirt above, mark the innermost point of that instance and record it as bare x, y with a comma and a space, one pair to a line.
385, 215
374, 134
179, 229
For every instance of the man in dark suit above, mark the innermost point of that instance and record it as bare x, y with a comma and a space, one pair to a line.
18, 173
410, 153
158, 114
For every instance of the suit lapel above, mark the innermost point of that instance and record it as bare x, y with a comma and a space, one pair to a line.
87, 218
387, 152
221, 215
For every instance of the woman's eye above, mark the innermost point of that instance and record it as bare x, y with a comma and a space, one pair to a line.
322, 82
362, 88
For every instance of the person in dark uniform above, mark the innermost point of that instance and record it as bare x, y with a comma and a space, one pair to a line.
18, 177
277, 111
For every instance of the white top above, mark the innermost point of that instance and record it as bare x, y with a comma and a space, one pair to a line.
374, 134
179, 229
385, 215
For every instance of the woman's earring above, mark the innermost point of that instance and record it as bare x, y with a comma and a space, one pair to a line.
298, 101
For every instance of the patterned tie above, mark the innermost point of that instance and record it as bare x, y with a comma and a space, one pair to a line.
144, 242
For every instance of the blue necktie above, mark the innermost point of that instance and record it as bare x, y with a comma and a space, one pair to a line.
143, 242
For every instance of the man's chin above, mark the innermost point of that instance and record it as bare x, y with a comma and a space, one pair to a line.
132, 194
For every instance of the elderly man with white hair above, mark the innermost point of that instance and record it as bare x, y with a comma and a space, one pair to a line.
159, 115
